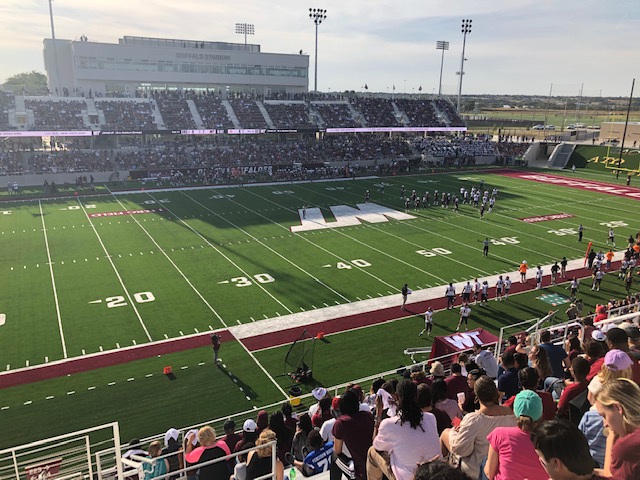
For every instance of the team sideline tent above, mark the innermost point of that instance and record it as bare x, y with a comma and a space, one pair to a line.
460, 342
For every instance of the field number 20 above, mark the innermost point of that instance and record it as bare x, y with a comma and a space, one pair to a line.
120, 301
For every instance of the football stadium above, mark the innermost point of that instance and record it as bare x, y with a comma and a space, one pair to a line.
212, 271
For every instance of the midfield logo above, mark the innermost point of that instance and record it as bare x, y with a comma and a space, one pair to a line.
312, 218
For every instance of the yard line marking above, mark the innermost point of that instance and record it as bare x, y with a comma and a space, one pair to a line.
115, 270
210, 327
252, 319
149, 375
134, 342
50, 397
166, 336
71, 392
101, 348
283, 257
46, 359
186, 279
184, 367
91, 388
130, 379
181, 334
53, 283
28, 402
239, 323
4, 408
84, 352
8, 367
117, 345
111, 383
201, 363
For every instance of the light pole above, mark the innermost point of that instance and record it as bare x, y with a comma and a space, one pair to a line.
317, 15
245, 29
441, 45
55, 51
466, 28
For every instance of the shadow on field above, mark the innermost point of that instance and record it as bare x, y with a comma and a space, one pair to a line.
246, 389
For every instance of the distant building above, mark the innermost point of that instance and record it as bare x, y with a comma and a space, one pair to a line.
77, 66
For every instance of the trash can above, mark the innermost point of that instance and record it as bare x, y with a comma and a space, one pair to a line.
294, 396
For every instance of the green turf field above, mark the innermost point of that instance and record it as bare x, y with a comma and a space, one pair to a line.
75, 284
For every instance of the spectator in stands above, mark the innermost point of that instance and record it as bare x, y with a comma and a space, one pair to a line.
595, 350
511, 454
529, 380
513, 344
634, 341
437, 371
539, 361
191, 440
172, 450
618, 339
486, 361
617, 364
579, 370
287, 411
262, 421
443, 420
619, 405
318, 459
456, 383
471, 403
209, 449
508, 382
283, 434
371, 398
318, 393
158, 466
354, 428
573, 347
467, 444
404, 440
249, 435
386, 401
557, 357
231, 438
134, 449
259, 461
563, 451
441, 400
300, 446
324, 412
326, 431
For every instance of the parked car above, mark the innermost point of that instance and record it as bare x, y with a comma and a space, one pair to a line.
550, 127
538, 127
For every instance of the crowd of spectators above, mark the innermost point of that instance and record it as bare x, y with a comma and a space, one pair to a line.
212, 112
70, 161
468, 146
57, 115
11, 163
127, 115
248, 113
482, 421
419, 112
377, 112
336, 115
289, 115
7, 102
449, 110
174, 109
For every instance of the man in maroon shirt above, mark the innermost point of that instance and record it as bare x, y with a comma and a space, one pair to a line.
456, 383
354, 428
618, 338
579, 369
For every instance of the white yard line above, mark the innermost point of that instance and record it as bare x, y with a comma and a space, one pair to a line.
222, 254
53, 283
186, 279
295, 265
115, 270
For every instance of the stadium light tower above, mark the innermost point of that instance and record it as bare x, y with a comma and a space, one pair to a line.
441, 45
317, 15
245, 29
466, 28
55, 50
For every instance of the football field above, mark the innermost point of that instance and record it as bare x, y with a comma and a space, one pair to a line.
83, 275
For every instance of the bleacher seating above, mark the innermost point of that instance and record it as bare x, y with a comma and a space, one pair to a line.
448, 109
289, 115
377, 112
60, 114
174, 110
248, 113
127, 114
213, 113
7, 102
336, 115
420, 113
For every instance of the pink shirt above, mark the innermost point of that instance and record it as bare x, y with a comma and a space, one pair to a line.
518, 459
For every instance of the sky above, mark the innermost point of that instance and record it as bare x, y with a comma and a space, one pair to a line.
515, 46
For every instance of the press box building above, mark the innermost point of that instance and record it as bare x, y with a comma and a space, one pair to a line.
140, 62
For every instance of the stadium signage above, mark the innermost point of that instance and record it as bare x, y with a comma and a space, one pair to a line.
203, 56
465, 340
312, 218
545, 218
125, 212
580, 184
